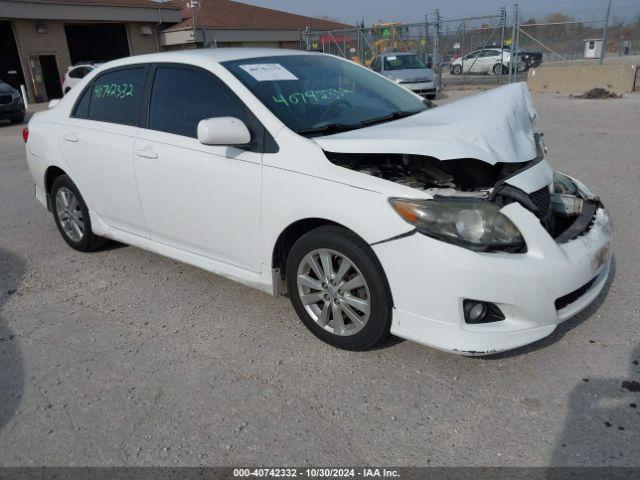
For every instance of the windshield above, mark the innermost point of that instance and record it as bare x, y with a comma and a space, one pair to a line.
402, 62
320, 94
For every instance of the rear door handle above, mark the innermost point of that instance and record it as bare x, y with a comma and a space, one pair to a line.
71, 137
147, 153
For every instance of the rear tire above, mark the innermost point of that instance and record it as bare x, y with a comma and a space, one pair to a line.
72, 216
326, 292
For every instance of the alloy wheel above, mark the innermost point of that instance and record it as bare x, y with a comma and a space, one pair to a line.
70, 214
334, 292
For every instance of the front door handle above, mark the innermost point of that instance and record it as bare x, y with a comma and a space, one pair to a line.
147, 153
71, 137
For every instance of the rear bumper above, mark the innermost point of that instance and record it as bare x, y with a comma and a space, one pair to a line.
430, 279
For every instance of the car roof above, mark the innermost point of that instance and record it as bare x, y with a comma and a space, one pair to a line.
204, 56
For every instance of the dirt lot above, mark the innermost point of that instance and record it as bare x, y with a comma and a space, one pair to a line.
121, 357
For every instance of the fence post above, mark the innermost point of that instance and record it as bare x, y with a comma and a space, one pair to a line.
426, 40
603, 50
512, 67
462, 43
436, 51
503, 21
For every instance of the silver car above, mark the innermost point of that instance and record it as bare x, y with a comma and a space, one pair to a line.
406, 69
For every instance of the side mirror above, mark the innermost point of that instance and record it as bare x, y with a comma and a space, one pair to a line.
223, 131
53, 103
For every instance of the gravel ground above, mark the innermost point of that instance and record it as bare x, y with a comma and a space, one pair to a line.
122, 357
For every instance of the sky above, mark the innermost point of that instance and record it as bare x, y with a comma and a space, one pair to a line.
351, 11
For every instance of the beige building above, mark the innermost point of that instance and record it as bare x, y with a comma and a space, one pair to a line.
229, 23
40, 39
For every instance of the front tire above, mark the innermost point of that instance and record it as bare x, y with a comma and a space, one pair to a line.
456, 70
338, 288
72, 216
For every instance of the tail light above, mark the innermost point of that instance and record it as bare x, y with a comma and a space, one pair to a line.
25, 134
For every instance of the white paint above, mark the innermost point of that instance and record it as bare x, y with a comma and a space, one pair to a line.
223, 131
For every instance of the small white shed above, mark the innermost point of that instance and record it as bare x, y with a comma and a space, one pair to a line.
592, 47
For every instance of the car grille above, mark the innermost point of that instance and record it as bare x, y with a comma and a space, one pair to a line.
4, 99
569, 298
542, 200
416, 80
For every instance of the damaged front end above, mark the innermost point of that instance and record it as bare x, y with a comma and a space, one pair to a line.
467, 195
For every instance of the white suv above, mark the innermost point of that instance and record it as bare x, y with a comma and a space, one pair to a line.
307, 173
75, 74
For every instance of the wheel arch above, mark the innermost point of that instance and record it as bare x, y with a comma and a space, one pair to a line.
50, 176
290, 235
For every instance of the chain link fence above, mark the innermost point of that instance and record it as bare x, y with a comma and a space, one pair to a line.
496, 48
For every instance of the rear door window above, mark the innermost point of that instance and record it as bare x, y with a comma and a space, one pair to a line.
116, 96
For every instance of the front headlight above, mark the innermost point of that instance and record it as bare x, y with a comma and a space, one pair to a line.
16, 95
476, 225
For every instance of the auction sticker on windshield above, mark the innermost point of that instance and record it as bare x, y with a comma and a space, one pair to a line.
264, 72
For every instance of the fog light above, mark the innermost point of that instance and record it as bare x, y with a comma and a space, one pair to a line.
477, 311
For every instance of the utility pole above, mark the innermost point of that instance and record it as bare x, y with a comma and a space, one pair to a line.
603, 50
193, 4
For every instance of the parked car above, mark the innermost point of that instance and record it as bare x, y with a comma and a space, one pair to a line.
483, 61
530, 59
12, 106
75, 74
306, 173
407, 70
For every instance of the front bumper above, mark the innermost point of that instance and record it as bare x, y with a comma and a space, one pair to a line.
430, 279
421, 88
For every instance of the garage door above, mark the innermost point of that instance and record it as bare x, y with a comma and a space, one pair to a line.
10, 69
97, 42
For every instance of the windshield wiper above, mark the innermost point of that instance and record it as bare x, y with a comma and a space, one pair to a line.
390, 116
328, 128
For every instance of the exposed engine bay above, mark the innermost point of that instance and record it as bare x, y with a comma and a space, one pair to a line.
562, 209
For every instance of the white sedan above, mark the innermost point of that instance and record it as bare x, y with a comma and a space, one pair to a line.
308, 174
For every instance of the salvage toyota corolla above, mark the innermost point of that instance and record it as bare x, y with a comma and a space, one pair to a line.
306, 174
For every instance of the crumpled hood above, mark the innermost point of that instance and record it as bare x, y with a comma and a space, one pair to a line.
494, 126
